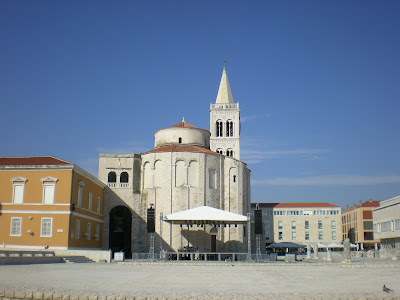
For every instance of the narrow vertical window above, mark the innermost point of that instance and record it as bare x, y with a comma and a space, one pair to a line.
77, 229
234, 178
266, 230
333, 224
80, 193
18, 193
307, 235
49, 186
333, 235
280, 225
46, 227
48, 194
293, 236
16, 226
88, 228
18, 190
319, 224
306, 225
90, 201
320, 236
180, 140
98, 204
229, 128
293, 224
97, 232
219, 128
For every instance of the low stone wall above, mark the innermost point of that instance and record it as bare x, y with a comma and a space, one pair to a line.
15, 295
96, 255
26, 260
11, 295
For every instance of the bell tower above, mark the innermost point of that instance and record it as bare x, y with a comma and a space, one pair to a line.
225, 121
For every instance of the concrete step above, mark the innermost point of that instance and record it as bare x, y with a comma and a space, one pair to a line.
77, 259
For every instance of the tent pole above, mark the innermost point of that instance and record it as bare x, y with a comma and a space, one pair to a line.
248, 237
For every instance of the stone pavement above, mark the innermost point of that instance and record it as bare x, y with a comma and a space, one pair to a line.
203, 281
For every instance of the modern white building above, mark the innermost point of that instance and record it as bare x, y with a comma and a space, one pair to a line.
387, 227
300, 223
186, 169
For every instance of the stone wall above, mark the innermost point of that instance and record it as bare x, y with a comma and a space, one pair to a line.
16, 295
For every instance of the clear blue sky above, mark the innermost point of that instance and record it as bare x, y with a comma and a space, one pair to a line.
318, 84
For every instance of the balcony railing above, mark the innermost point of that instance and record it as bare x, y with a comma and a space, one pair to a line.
122, 185
224, 105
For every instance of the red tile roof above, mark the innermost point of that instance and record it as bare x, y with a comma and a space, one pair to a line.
304, 205
32, 161
182, 148
184, 124
365, 204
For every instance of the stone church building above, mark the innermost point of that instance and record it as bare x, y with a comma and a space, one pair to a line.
189, 167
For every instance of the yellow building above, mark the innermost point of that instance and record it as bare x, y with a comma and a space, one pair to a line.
46, 202
357, 225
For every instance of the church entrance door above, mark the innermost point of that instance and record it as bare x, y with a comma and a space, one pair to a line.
213, 243
120, 230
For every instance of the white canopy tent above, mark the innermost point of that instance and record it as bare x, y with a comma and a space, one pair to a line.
205, 215
335, 245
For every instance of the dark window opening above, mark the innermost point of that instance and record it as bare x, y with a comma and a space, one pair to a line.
112, 177
368, 236
219, 128
234, 178
229, 128
180, 140
124, 178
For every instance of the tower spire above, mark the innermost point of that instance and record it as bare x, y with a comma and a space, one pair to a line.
224, 92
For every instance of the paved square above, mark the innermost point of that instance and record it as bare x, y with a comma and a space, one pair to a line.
187, 281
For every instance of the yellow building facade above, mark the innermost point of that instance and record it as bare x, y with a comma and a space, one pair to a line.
48, 203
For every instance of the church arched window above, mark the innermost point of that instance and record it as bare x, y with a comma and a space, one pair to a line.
219, 128
229, 128
219, 150
124, 177
229, 153
112, 177
180, 140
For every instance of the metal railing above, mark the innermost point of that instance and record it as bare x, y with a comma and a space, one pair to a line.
204, 256
224, 105
118, 185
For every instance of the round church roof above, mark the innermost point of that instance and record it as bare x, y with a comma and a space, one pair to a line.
183, 134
